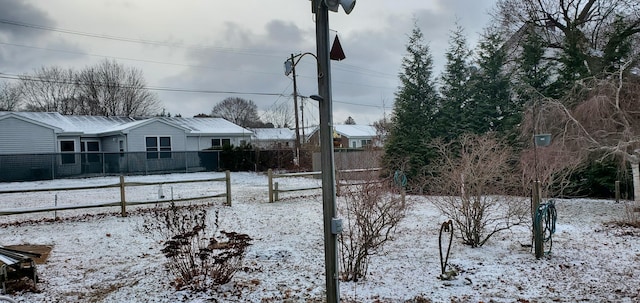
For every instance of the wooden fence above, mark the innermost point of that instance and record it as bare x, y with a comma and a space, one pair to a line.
123, 203
275, 190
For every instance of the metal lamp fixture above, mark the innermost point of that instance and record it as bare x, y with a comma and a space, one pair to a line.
347, 5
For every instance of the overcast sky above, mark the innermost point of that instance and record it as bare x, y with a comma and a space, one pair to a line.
234, 46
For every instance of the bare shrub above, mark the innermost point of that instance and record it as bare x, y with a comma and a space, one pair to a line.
198, 258
632, 214
481, 186
372, 210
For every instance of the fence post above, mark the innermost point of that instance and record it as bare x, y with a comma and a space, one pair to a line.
270, 174
275, 191
123, 203
228, 181
617, 191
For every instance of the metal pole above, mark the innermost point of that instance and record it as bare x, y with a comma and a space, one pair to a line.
537, 227
295, 109
326, 151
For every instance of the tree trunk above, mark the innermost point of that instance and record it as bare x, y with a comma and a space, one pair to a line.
635, 170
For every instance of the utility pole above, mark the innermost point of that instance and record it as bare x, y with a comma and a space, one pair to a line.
332, 225
295, 109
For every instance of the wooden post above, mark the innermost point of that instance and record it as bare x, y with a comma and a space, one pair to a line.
228, 181
537, 228
270, 174
617, 191
123, 203
275, 191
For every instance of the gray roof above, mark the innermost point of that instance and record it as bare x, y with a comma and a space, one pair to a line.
100, 125
203, 126
53, 120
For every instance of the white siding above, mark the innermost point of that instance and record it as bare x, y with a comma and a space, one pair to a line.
194, 144
21, 137
110, 144
136, 137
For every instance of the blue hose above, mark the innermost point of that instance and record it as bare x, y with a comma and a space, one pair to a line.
399, 178
545, 220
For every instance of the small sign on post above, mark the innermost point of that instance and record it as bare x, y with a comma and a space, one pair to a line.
542, 140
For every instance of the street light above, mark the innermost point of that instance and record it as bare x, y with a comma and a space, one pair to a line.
290, 67
332, 225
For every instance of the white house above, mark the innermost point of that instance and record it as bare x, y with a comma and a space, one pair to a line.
95, 143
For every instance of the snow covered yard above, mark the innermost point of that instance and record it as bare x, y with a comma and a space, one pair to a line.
106, 258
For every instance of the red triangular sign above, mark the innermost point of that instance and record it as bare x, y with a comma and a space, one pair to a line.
336, 50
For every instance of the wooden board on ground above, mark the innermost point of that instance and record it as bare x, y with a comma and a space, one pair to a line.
43, 250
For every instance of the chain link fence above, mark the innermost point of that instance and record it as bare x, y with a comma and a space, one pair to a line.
33, 167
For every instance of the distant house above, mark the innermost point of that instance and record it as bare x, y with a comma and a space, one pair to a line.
95, 143
350, 136
273, 138
40, 132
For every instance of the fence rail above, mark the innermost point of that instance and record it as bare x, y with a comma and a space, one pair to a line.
275, 190
123, 203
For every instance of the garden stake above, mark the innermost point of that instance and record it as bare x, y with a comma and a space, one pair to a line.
447, 226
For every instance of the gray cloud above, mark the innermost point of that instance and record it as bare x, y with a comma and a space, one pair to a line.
21, 11
254, 64
25, 48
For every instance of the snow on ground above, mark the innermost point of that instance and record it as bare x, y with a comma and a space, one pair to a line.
105, 258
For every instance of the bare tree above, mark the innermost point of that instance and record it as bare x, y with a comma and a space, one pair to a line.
482, 186
111, 89
237, 110
108, 89
9, 96
554, 164
382, 126
280, 116
606, 122
50, 89
591, 35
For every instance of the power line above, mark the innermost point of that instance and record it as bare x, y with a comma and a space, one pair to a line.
160, 88
241, 51
132, 59
254, 52
151, 88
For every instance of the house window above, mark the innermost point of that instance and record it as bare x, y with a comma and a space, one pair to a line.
67, 148
158, 147
91, 149
218, 143
366, 143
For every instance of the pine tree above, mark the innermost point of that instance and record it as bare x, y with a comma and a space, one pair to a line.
414, 109
455, 90
492, 108
534, 71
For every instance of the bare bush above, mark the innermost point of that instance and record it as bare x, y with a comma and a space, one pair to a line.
372, 210
483, 193
632, 214
197, 258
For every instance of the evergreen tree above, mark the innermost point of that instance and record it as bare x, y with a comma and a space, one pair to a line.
455, 90
492, 109
414, 109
